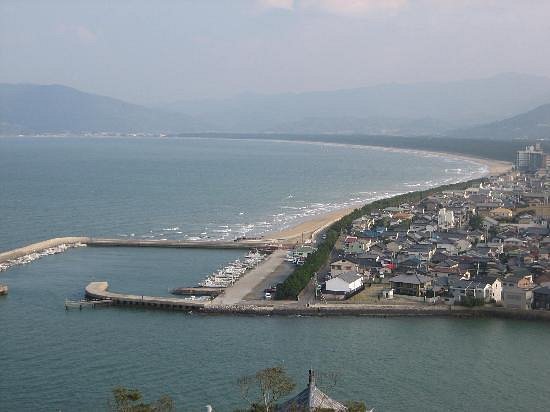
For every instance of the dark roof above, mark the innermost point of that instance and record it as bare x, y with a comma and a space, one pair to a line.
542, 291
311, 399
349, 277
414, 279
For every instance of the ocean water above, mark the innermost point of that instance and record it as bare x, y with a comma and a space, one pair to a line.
52, 359
194, 188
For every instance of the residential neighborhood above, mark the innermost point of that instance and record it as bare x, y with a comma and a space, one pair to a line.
488, 244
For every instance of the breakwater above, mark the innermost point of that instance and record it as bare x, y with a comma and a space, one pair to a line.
99, 290
41, 246
31, 252
191, 244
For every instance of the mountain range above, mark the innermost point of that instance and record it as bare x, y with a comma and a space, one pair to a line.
26, 108
469, 108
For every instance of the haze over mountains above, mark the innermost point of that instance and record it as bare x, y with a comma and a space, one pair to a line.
454, 108
26, 108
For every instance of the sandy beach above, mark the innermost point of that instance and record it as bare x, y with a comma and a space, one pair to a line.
306, 230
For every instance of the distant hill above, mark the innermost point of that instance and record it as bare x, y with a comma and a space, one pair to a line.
391, 109
26, 108
535, 124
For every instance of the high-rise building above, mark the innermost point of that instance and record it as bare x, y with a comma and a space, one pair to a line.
531, 159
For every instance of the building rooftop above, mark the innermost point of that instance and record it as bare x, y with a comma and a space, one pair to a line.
311, 399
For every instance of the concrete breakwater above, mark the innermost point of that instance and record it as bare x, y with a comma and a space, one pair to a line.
99, 290
30, 253
47, 247
40, 246
192, 244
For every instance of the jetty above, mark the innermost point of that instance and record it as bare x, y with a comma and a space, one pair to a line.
29, 253
99, 291
40, 246
189, 244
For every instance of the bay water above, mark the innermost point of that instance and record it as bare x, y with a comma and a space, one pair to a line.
52, 359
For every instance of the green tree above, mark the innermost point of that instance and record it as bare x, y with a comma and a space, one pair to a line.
356, 406
130, 400
476, 222
265, 387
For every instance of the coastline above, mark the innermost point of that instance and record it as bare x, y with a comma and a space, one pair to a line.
307, 229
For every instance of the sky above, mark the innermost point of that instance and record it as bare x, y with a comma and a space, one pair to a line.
152, 52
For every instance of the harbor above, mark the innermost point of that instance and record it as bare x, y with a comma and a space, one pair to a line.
34, 251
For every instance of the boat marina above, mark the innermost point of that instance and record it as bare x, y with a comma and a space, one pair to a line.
31, 257
229, 274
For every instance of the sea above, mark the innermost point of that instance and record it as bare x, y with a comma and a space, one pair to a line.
197, 188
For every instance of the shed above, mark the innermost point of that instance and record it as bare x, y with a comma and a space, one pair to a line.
345, 283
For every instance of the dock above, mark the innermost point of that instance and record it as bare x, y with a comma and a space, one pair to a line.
99, 290
198, 291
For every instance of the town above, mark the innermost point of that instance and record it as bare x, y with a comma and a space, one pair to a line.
487, 244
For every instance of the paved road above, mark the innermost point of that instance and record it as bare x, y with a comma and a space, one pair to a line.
245, 285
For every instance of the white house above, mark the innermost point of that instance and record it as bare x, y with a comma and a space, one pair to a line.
445, 219
345, 283
496, 290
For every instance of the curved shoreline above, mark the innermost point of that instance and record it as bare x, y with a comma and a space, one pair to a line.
308, 226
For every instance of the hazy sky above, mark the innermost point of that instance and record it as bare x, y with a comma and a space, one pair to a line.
154, 51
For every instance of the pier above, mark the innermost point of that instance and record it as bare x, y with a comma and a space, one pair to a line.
99, 290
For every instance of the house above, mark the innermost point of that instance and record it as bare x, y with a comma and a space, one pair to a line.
355, 246
362, 223
512, 242
501, 213
489, 222
484, 208
423, 252
518, 281
344, 284
525, 219
462, 289
412, 284
386, 294
445, 219
541, 298
303, 251
343, 266
517, 298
